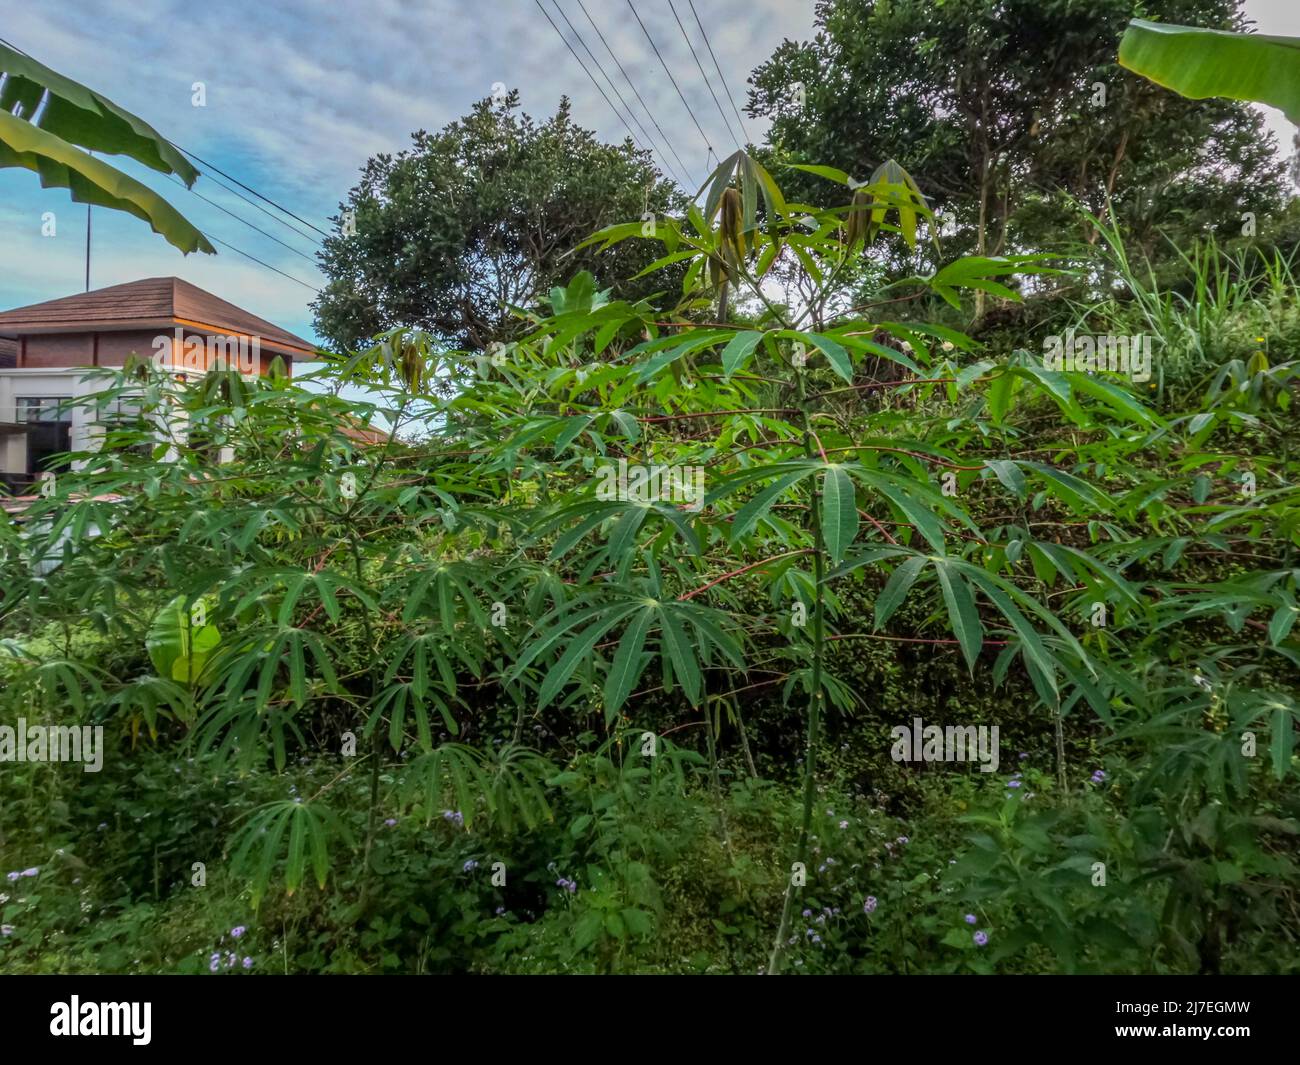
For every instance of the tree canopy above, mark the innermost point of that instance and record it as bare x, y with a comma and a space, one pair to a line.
480, 217
1011, 110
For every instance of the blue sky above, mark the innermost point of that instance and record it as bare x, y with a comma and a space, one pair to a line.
300, 93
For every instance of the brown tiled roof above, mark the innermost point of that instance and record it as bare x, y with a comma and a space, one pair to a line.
8, 353
151, 302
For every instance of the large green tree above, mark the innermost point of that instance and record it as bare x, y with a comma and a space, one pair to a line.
1011, 109
479, 218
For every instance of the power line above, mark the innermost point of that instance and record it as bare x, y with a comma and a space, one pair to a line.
265, 199
703, 135
590, 76
260, 263
635, 90
246, 222
726, 122
721, 77
218, 240
610, 82
277, 218
213, 166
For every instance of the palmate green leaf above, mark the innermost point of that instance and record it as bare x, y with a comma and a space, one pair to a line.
913, 500
693, 343
896, 588
145, 697
962, 614
579, 650
515, 787
835, 352
1283, 620
1077, 494
451, 772
738, 349
828, 172
757, 508
628, 664
1009, 474
682, 656
1281, 737
257, 846
839, 515
1199, 63
90, 180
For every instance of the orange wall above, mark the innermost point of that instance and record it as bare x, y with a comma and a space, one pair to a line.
45, 350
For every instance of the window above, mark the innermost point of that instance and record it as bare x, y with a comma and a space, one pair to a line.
42, 409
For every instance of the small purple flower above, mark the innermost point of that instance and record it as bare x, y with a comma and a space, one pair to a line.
1013, 783
816, 939
970, 918
903, 839
454, 816
500, 910
1023, 755
981, 939
12, 876
807, 914
844, 824
390, 821
1098, 776
237, 931
6, 929
470, 866
870, 905
248, 963
214, 963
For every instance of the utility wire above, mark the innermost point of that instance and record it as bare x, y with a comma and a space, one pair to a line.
212, 166
260, 263
721, 77
590, 76
703, 135
265, 199
726, 122
252, 203
246, 222
610, 81
635, 91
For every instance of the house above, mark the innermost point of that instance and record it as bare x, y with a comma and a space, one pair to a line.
45, 349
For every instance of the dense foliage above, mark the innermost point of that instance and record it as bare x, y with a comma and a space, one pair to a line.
449, 703
479, 218
1014, 113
